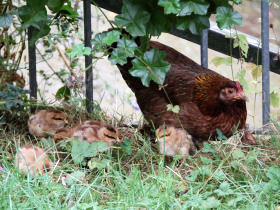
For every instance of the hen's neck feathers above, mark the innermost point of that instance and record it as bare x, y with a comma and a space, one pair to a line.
206, 95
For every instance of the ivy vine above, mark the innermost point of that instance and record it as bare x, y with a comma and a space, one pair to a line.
145, 19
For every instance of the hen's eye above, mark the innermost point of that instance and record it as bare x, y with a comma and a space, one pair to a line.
230, 91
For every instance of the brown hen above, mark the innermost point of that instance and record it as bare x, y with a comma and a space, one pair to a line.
207, 100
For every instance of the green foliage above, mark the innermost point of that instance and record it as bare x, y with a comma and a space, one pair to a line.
79, 50
220, 136
96, 163
111, 37
145, 19
125, 49
207, 148
150, 66
34, 13
195, 7
134, 17
14, 97
82, 150
274, 96
226, 17
126, 146
217, 61
63, 93
175, 109
170, 6
6, 20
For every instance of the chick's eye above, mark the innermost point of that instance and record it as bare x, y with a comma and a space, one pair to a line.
57, 118
111, 137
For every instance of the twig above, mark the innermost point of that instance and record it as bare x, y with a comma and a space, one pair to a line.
61, 54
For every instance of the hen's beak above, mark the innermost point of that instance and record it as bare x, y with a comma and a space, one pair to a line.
241, 96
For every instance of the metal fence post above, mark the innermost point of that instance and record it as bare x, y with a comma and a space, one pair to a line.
204, 47
32, 66
88, 59
265, 62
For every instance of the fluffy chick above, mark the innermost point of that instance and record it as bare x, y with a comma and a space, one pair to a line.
46, 122
92, 131
63, 133
30, 158
174, 141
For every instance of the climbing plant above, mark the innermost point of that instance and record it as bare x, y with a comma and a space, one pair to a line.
144, 19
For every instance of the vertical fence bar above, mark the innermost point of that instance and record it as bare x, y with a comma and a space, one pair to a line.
265, 62
204, 47
32, 66
88, 59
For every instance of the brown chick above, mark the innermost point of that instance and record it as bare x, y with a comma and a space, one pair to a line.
174, 141
33, 159
93, 131
63, 133
46, 122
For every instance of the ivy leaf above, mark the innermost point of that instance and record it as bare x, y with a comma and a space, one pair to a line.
33, 17
151, 66
126, 146
125, 49
81, 150
226, 17
39, 32
68, 11
243, 81
99, 46
237, 1
170, 6
99, 146
175, 109
80, 50
98, 164
220, 136
207, 148
55, 5
36, 5
159, 22
194, 23
274, 98
256, 71
134, 18
63, 93
111, 37
189, 7
242, 42
5, 20
217, 61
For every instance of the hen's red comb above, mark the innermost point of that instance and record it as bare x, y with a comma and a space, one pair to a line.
238, 86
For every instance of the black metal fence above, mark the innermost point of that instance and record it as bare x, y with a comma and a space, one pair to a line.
215, 40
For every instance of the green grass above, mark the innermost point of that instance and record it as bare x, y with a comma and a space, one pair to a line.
223, 175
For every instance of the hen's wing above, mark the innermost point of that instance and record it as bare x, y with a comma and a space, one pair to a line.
181, 78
